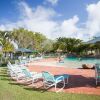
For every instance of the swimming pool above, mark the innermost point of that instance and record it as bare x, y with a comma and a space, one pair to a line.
77, 63
68, 62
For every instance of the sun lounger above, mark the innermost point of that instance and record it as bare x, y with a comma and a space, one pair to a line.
19, 73
50, 80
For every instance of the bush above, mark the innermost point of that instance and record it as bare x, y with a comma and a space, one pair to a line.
4, 61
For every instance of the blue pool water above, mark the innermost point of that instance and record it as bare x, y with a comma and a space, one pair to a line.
77, 63
83, 60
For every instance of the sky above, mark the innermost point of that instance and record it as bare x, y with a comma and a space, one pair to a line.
54, 18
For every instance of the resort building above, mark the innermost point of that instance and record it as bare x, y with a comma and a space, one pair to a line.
95, 46
94, 40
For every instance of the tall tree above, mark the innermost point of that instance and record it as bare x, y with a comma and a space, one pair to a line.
22, 37
67, 44
28, 39
39, 41
5, 41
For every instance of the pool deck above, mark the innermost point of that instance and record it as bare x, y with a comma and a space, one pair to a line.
80, 80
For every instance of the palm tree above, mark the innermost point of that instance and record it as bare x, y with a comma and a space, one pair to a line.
67, 44
5, 39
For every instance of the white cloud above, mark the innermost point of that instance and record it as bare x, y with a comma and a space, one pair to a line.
93, 22
40, 19
25, 10
53, 2
2, 27
69, 27
91, 27
8, 26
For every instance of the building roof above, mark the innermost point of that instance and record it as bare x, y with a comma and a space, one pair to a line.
96, 39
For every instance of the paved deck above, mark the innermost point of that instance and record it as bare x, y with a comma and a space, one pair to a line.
80, 81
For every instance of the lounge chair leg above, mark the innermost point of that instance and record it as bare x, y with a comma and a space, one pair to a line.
33, 82
17, 79
67, 81
61, 88
96, 82
55, 87
44, 85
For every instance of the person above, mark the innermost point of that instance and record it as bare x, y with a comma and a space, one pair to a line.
80, 59
61, 60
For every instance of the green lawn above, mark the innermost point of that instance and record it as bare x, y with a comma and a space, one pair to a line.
10, 91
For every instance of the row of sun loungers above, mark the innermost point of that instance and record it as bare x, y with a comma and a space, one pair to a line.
20, 72
25, 60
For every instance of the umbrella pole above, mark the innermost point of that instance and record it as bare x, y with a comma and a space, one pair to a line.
22, 54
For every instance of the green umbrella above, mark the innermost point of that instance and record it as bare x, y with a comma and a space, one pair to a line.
35, 51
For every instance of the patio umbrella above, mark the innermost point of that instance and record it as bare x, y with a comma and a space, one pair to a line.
35, 51
23, 51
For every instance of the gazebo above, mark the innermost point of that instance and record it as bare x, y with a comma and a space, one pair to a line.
23, 50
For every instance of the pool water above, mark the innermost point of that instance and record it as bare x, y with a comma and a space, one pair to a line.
77, 63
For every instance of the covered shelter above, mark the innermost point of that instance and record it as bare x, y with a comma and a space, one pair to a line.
23, 52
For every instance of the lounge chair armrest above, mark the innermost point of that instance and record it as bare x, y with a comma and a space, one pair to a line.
33, 73
37, 75
60, 77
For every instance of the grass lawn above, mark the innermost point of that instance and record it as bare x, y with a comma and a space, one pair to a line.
10, 91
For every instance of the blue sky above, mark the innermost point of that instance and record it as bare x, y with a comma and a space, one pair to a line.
68, 8
69, 18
